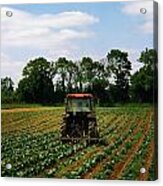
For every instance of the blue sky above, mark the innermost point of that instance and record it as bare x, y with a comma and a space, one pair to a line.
73, 30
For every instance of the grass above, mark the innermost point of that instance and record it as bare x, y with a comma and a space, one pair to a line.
22, 105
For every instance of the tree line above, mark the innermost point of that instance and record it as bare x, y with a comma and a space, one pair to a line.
110, 82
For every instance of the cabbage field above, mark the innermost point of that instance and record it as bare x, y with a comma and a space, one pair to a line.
30, 143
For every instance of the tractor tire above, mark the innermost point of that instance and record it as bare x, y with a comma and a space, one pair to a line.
93, 133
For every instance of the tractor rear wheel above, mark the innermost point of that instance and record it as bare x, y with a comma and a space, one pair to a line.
93, 133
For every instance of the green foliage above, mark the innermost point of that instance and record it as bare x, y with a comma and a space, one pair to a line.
34, 149
83, 76
119, 68
128, 145
7, 90
137, 136
36, 85
7, 85
111, 82
144, 86
61, 67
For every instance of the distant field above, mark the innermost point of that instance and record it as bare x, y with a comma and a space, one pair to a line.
10, 106
31, 145
21, 105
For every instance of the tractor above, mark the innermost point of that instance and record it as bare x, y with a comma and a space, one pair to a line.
79, 120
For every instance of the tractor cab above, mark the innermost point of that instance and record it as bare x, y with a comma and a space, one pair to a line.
80, 103
79, 119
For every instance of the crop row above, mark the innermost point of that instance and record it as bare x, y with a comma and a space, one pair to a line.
30, 142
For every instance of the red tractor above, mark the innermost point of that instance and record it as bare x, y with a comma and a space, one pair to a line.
79, 119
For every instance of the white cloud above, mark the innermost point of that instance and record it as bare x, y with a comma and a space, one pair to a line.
26, 35
10, 68
60, 20
46, 30
133, 8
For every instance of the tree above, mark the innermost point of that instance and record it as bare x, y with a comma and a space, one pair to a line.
119, 67
36, 85
100, 82
87, 75
7, 85
7, 90
71, 74
144, 82
66, 71
78, 79
61, 67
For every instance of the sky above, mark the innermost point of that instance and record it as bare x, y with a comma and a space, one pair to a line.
73, 30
